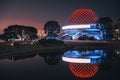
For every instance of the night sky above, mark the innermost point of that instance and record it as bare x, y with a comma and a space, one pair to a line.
37, 12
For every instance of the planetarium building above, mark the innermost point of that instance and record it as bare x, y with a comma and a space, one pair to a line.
84, 32
83, 26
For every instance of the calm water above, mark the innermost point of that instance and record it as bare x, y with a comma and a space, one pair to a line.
73, 64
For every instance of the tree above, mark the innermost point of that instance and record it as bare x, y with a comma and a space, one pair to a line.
108, 24
0, 36
19, 31
117, 29
31, 32
51, 59
51, 28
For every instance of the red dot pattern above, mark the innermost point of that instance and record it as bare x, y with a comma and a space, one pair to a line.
83, 70
83, 16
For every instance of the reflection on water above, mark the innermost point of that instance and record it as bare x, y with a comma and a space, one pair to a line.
15, 57
83, 70
88, 56
86, 63
72, 64
51, 59
19, 57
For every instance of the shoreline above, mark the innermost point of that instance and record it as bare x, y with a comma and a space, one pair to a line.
8, 52
6, 49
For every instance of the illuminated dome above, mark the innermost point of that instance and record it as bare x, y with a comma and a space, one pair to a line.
83, 70
83, 16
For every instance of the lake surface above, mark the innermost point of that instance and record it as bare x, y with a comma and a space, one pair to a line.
72, 64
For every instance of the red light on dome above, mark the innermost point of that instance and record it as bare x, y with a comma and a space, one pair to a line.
83, 16
83, 70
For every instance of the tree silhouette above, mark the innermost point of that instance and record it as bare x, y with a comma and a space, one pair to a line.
117, 29
0, 36
31, 32
108, 23
51, 28
19, 31
51, 58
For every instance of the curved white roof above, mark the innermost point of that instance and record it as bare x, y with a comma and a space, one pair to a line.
81, 26
76, 60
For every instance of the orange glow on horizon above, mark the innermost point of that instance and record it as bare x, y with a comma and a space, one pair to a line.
5, 23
